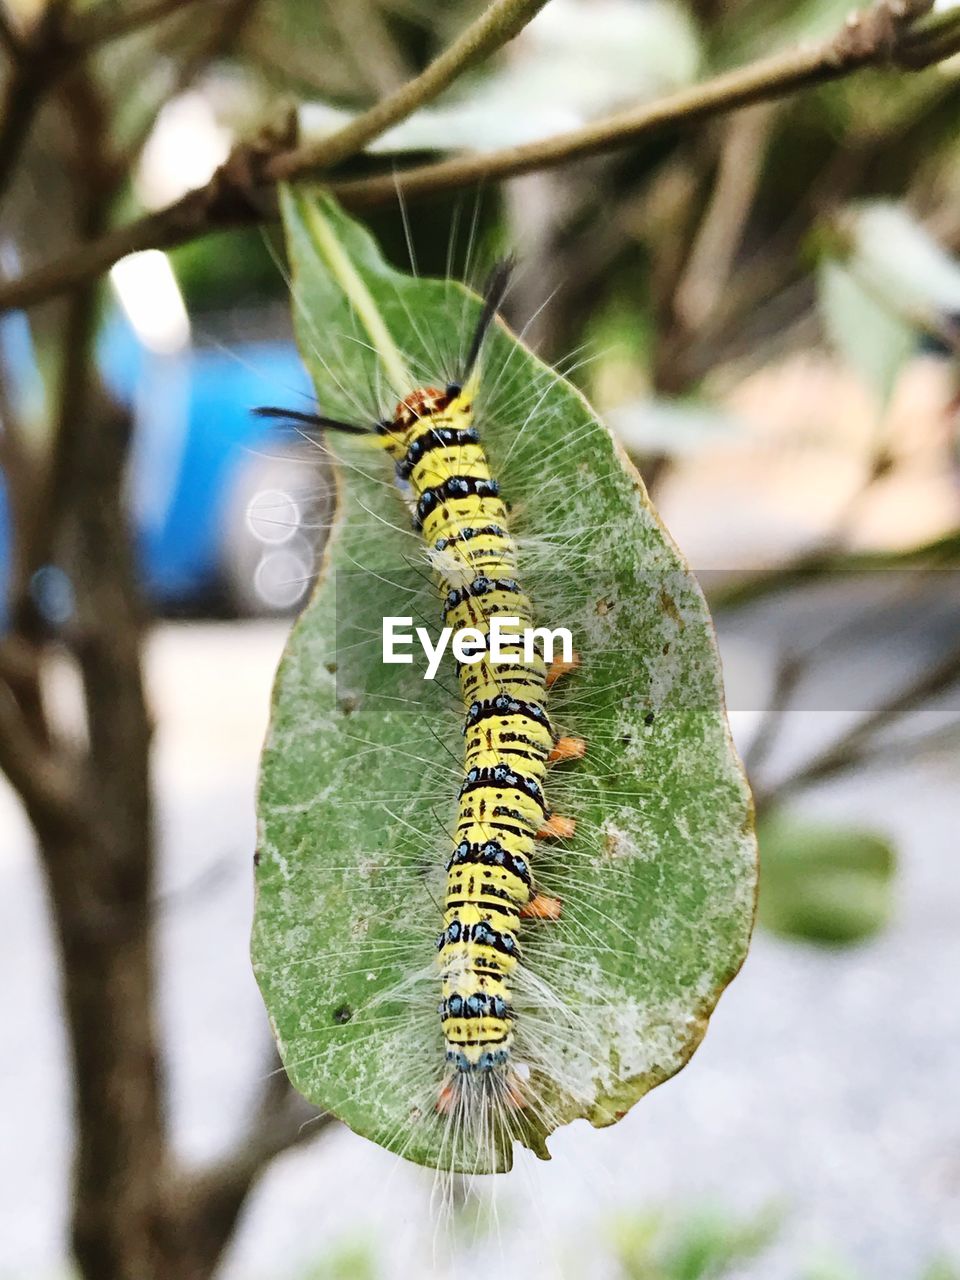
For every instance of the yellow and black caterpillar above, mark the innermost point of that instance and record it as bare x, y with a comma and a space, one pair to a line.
509, 741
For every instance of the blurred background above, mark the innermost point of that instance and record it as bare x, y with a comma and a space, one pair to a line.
766, 310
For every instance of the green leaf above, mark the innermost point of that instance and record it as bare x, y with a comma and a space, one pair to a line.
363, 760
863, 329
905, 268
824, 883
942, 1269
678, 428
705, 1245
346, 1262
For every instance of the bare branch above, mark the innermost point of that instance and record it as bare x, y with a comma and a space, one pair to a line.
48, 52
238, 192
101, 882
43, 782
762, 81
498, 24
861, 744
710, 260
40, 57
828, 559
205, 1205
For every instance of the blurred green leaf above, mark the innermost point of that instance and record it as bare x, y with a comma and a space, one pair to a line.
942, 1269
867, 334
828, 1268
345, 1262
824, 883
673, 427
895, 257
228, 269
704, 1246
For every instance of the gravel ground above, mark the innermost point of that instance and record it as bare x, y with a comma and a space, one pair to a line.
827, 1083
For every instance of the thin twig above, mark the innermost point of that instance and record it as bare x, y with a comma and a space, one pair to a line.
58, 41
710, 260
860, 743
761, 81
235, 194
207, 1204
790, 671
493, 29
44, 783
39, 59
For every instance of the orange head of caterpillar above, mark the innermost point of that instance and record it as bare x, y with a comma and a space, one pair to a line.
420, 404
425, 402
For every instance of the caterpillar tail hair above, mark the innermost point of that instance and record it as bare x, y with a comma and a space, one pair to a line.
494, 291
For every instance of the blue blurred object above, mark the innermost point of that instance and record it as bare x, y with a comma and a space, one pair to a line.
200, 464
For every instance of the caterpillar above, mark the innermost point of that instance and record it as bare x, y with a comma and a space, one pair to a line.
457, 508
588, 905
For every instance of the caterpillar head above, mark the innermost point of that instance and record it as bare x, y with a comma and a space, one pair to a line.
419, 404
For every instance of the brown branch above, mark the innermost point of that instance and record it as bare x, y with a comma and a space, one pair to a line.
876, 40
101, 886
858, 745
96, 178
42, 58
827, 559
711, 257
205, 1206
39, 59
99, 865
237, 192
43, 781
494, 28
